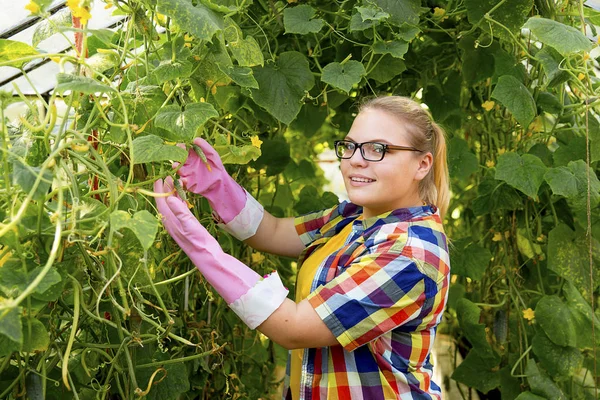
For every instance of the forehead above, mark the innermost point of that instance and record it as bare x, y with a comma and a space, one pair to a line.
378, 125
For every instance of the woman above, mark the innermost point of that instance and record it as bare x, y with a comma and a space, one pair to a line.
373, 272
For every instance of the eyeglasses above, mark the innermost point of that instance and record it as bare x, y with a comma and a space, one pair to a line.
370, 151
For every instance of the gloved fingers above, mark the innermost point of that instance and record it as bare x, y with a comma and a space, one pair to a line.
182, 213
169, 220
176, 164
211, 154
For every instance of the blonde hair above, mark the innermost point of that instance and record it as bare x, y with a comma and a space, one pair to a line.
425, 135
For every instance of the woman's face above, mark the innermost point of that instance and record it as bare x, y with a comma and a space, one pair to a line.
388, 184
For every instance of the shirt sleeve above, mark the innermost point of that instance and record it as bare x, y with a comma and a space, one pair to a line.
375, 294
309, 226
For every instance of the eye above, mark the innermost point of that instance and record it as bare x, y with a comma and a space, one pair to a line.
378, 148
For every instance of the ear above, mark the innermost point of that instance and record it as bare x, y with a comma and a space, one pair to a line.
424, 166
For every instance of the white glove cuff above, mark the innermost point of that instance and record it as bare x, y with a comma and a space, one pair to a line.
258, 303
246, 223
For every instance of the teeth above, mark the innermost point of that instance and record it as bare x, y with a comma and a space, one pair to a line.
362, 180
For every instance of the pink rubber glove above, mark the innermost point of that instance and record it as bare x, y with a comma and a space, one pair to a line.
251, 297
238, 211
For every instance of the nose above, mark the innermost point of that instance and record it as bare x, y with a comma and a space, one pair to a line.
357, 159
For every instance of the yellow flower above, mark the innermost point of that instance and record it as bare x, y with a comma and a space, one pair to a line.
33, 7
501, 151
438, 12
80, 9
528, 314
497, 237
256, 142
490, 163
257, 258
581, 76
488, 105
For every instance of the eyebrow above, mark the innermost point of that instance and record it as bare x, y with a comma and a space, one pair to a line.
374, 140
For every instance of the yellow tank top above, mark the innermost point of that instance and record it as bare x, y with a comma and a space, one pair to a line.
304, 281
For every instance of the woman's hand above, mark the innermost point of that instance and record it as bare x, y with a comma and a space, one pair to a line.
202, 177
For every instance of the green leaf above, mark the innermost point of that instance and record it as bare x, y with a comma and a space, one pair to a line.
401, 11
12, 50
183, 125
80, 84
568, 257
525, 173
247, 52
343, 76
516, 98
169, 70
468, 319
235, 154
477, 372
559, 361
565, 39
562, 181
243, 76
51, 278
529, 396
198, 20
396, 48
462, 162
275, 156
100, 62
555, 319
541, 384
469, 259
582, 316
310, 200
387, 69
478, 61
282, 85
495, 195
551, 61
549, 103
10, 325
310, 119
173, 386
366, 17
511, 14
300, 20
55, 23
151, 148
579, 171
36, 340
25, 176
143, 224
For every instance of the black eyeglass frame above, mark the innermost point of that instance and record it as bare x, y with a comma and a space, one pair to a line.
386, 148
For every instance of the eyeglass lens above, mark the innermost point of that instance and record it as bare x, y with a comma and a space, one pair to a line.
370, 151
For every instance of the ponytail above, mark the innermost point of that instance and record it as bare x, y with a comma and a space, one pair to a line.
441, 176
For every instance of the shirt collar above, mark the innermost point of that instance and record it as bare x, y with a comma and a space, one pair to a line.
394, 216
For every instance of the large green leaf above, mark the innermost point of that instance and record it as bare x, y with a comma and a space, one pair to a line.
559, 361
477, 372
516, 98
541, 384
387, 68
36, 340
151, 148
469, 259
247, 52
12, 50
511, 14
564, 38
568, 257
478, 62
300, 19
397, 48
495, 195
198, 20
243, 76
10, 325
366, 17
282, 85
310, 200
183, 125
468, 313
582, 316
523, 172
555, 319
275, 156
343, 76
25, 176
462, 162
83, 84
143, 224
401, 11
571, 182
174, 384
170, 70
551, 61
55, 23
529, 396
230, 154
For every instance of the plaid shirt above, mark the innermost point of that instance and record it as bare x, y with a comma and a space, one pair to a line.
382, 295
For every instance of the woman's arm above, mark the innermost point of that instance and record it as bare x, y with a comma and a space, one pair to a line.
297, 326
276, 236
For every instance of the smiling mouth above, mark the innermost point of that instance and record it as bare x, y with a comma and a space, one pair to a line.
364, 180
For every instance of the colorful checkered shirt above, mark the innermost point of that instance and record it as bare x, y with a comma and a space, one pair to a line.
382, 295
